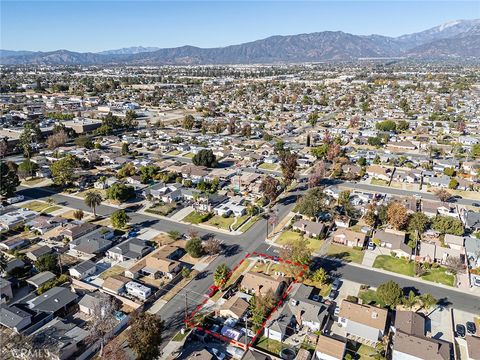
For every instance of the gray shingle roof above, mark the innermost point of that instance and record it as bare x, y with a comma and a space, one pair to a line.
52, 300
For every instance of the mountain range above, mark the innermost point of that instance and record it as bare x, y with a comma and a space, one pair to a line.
458, 39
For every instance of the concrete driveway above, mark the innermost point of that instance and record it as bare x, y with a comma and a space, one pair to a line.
369, 258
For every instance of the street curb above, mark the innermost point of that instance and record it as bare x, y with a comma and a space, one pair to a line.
406, 277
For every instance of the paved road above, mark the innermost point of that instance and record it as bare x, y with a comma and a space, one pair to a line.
236, 246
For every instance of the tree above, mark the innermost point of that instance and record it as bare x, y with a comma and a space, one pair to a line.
174, 234
344, 198
47, 262
205, 158
418, 223
120, 192
320, 152
455, 264
194, 247
313, 203
57, 139
320, 275
93, 198
8, 180
4, 147
212, 246
317, 175
119, 219
145, 335
125, 149
297, 251
453, 184
397, 215
370, 216
410, 300
114, 350
221, 274
442, 194
270, 188
386, 125
102, 321
313, 118
186, 272
448, 225
78, 214
188, 122
288, 163
247, 131
127, 170
427, 301
63, 170
390, 293
260, 306
27, 168
84, 141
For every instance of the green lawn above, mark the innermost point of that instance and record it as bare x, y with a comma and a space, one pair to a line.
33, 181
173, 153
370, 297
289, 236
269, 345
196, 218
240, 221
396, 265
189, 155
179, 336
439, 275
163, 210
41, 206
345, 253
266, 166
379, 182
220, 222
249, 223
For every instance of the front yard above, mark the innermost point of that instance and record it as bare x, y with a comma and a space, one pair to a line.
345, 253
439, 275
196, 218
41, 206
162, 209
370, 297
220, 222
397, 265
266, 166
378, 182
288, 236
245, 227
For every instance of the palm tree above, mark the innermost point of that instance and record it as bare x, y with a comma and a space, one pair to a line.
3, 263
92, 200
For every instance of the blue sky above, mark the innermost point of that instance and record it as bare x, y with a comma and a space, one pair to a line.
108, 24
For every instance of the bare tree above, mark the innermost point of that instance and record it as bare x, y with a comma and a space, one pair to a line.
317, 175
57, 139
455, 264
212, 246
103, 321
442, 194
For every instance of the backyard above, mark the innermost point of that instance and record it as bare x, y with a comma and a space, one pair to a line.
269, 345
345, 253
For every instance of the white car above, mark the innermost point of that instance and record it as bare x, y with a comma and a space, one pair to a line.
15, 199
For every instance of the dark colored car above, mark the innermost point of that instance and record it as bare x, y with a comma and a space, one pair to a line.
476, 204
471, 328
212, 290
460, 330
333, 294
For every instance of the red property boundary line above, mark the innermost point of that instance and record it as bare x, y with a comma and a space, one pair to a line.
277, 306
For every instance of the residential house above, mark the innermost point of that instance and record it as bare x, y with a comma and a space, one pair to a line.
115, 284
233, 206
473, 347
14, 243
75, 230
379, 172
42, 223
133, 248
90, 301
16, 218
235, 307
92, 244
194, 173
83, 269
434, 252
156, 264
254, 282
310, 228
300, 311
61, 337
363, 323
349, 237
394, 241
330, 348
454, 242
41, 278
53, 300
6, 292
35, 254
472, 220
434, 208
14, 317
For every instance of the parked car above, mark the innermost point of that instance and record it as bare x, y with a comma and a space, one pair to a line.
336, 284
371, 245
316, 298
471, 328
15, 199
218, 354
212, 290
333, 294
460, 330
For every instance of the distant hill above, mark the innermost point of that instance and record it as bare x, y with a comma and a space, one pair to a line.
458, 38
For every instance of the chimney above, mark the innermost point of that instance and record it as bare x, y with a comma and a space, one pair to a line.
298, 317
